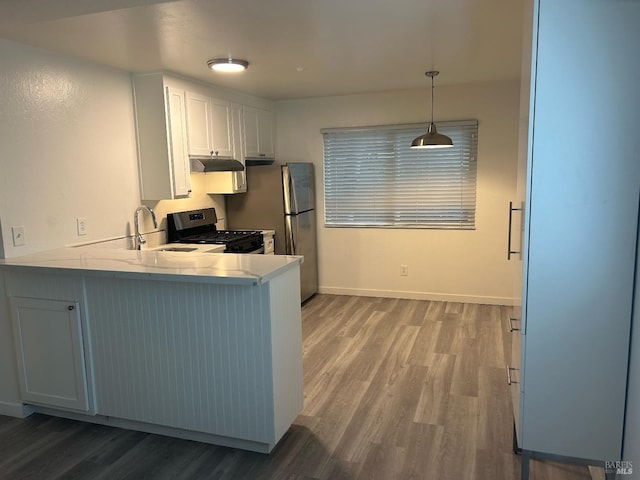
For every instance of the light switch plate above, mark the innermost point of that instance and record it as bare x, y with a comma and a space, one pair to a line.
18, 236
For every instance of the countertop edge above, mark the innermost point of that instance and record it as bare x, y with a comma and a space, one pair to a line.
33, 263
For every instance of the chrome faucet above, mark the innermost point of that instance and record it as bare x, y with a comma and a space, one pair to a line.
138, 239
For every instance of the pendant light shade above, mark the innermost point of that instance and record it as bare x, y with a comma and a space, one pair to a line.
432, 139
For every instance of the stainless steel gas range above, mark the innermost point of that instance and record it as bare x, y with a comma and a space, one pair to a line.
199, 227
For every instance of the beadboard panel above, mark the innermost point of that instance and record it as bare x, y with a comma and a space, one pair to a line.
190, 356
286, 338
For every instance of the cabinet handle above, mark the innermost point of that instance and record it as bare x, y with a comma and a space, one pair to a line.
509, 381
71, 307
511, 210
511, 327
262, 154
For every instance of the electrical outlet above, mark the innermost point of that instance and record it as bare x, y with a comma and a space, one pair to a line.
82, 226
404, 270
18, 236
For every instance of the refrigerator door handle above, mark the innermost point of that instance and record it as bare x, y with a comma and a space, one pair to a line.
294, 207
290, 247
289, 194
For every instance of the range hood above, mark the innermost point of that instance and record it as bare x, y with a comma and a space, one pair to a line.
204, 163
253, 161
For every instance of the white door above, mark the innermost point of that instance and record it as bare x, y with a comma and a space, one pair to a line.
48, 338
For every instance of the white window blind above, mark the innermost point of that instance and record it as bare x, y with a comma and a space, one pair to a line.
373, 179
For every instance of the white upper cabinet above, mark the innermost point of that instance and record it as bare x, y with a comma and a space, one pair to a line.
230, 182
198, 124
209, 126
222, 128
179, 155
258, 133
265, 133
162, 138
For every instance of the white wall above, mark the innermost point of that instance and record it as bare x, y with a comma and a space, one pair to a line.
443, 264
67, 150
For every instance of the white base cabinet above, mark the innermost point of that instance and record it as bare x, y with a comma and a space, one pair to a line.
212, 362
51, 341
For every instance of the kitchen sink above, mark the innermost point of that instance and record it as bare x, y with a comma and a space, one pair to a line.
176, 249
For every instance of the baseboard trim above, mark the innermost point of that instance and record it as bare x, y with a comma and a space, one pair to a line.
440, 297
255, 446
17, 410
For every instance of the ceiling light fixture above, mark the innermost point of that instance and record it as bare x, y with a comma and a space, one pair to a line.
227, 65
432, 139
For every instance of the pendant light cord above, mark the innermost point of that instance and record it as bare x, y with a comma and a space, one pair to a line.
432, 100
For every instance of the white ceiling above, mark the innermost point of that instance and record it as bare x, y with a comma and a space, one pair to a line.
296, 48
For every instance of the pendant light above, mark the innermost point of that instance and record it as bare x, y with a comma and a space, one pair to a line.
432, 139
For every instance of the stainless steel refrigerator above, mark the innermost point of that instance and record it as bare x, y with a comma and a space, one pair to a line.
281, 198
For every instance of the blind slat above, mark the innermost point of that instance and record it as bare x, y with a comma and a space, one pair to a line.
372, 178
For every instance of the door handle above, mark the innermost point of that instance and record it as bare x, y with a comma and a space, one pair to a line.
511, 210
509, 380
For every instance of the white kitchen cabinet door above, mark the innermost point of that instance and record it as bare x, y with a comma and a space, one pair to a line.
230, 182
251, 119
209, 126
240, 180
258, 133
222, 128
162, 138
265, 132
51, 362
198, 124
178, 135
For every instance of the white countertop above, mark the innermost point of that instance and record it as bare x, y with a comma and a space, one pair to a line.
197, 266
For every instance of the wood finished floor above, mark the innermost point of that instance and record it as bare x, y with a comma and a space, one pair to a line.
394, 389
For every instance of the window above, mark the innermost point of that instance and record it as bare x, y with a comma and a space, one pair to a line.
373, 179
